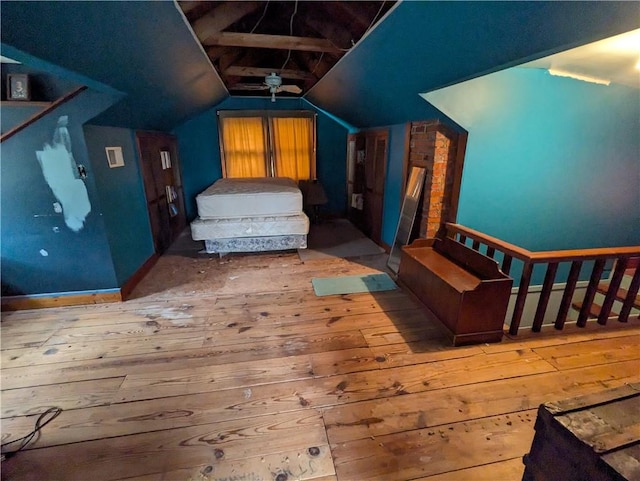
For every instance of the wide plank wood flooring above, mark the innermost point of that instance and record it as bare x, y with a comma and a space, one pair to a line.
231, 369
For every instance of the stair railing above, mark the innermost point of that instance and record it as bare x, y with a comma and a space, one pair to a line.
38, 115
624, 258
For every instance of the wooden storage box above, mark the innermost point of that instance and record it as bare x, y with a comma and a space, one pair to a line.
590, 438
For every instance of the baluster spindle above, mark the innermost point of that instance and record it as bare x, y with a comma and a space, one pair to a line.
521, 298
567, 296
612, 292
506, 264
631, 296
543, 302
596, 273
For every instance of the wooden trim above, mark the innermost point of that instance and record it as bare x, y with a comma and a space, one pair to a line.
38, 115
22, 103
17, 303
542, 256
452, 213
134, 280
584, 254
405, 160
500, 245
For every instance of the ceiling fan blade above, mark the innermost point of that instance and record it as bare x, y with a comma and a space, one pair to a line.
248, 87
292, 89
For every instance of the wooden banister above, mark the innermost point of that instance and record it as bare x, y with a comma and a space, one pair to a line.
626, 260
38, 115
497, 244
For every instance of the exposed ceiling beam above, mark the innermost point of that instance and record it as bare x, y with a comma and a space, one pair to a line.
221, 17
329, 29
188, 6
317, 66
215, 53
283, 42
239, 71
355, 12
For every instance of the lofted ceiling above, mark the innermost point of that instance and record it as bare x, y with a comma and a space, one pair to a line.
146, 50
298, 40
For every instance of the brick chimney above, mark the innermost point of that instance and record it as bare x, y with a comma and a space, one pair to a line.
434, 146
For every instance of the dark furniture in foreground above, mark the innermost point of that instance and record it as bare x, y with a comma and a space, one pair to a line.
594, 437
464, 288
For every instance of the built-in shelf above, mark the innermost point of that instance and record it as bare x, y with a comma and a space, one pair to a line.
24, 103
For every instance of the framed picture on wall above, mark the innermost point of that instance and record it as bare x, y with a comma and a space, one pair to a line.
114, 157
18, 87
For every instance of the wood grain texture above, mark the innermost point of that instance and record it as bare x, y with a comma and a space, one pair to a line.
214, 377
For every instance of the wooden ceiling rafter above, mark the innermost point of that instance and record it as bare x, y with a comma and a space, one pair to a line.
281, 42
332, 30
240, 71
317, 67
214, 53
221, 17
357, 13
248, 40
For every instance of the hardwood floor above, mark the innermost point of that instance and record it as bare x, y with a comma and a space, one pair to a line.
232, 369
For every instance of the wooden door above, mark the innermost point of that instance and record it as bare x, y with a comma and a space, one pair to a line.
163, 187
375, 171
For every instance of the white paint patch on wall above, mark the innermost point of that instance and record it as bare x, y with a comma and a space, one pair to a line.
59, 170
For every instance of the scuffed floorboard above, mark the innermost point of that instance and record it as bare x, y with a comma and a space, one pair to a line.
231, 369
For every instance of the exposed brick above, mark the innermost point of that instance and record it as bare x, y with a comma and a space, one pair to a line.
423, 146
439, 168
424, 136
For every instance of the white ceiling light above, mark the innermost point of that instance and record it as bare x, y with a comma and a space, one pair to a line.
614, 59
584, 78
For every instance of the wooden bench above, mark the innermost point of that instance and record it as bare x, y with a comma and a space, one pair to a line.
464, 288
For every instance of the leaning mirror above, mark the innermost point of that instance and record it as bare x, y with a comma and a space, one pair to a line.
407, 216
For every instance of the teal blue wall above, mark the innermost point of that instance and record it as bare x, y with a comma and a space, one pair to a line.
200, 151
551, 163
76, 261
393, 183
122, 197
421, 46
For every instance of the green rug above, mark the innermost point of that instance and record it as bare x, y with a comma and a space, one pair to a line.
329, 286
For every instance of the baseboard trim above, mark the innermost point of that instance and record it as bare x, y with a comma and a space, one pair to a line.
134, 280
43, 301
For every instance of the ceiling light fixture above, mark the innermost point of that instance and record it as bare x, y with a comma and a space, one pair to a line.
577, 76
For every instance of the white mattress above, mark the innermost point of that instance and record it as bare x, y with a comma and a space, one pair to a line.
249, 198
202, 229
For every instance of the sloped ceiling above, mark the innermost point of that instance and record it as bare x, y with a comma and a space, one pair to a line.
299, 40
143, 49
422, 46
146, 50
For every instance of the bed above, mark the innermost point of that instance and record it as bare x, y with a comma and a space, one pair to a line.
250, 215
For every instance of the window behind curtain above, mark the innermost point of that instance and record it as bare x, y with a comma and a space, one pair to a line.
244, 147
268, 144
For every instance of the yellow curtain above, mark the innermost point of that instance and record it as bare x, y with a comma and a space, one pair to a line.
292, 146
244, 146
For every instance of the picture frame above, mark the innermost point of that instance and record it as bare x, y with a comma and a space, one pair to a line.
114, 157
18, 87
